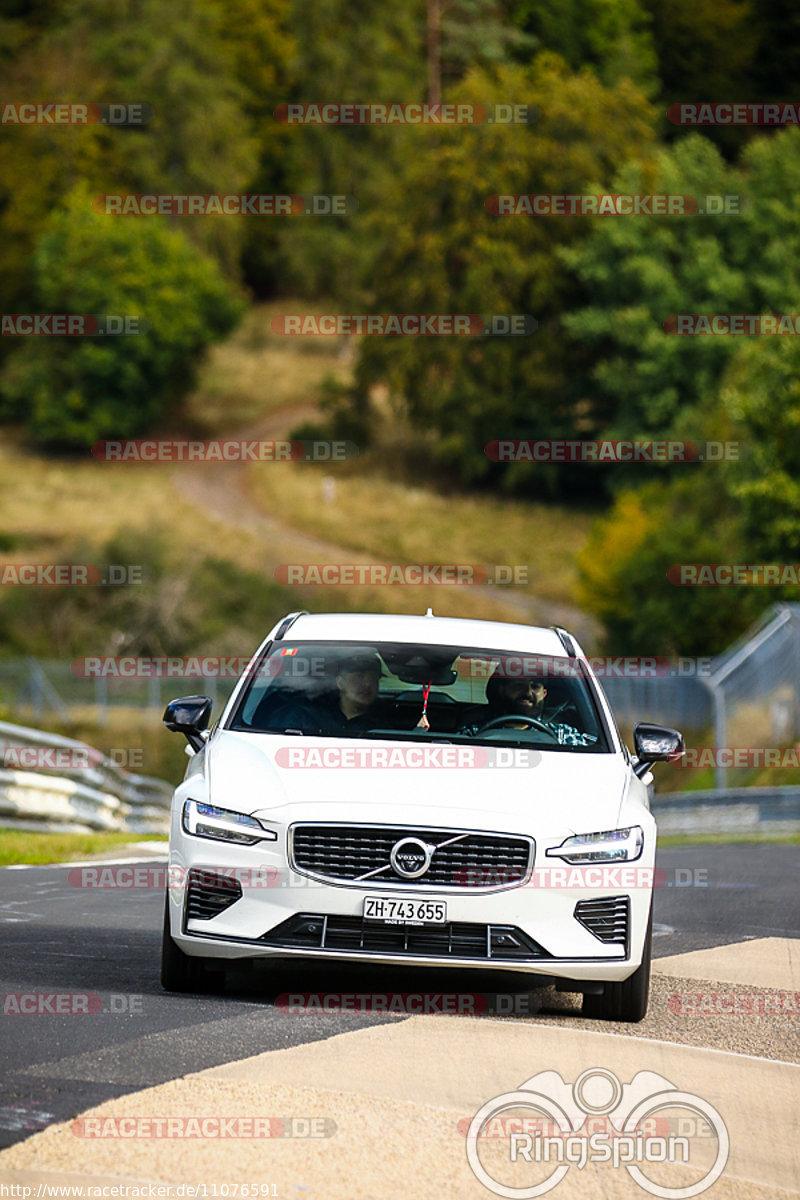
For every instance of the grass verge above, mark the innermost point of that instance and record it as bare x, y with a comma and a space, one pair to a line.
18, 846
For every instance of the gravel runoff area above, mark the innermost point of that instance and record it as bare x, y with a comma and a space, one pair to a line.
390, 1104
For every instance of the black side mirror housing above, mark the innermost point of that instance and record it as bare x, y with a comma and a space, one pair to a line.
189, 715
655, 743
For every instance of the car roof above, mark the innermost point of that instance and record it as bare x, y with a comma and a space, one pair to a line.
428, 630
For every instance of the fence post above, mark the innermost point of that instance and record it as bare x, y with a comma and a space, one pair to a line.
101, 699
720, 726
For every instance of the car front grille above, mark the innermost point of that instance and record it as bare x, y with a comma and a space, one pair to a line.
606, 918
348, 853
456, 939
208, 894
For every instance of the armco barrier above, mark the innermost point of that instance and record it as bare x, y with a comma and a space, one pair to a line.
101, 796
760, 811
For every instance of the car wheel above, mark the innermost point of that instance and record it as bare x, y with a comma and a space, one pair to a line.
183, 972
625, 1000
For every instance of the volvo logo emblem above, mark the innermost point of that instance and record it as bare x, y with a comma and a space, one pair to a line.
411, 857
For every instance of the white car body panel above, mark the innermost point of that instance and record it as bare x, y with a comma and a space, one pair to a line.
561, 794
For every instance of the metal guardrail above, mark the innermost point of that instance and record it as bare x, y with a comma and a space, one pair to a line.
83, 791
761, 811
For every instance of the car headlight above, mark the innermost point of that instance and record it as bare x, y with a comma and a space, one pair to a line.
223, 825
617, 845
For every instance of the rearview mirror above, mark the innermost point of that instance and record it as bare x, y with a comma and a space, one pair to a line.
189, 715
655, 743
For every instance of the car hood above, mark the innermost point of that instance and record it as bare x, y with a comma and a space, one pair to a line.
557, 792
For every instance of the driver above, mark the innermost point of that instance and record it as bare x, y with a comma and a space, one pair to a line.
523, 698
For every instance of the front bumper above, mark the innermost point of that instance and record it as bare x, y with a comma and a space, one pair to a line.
261, 923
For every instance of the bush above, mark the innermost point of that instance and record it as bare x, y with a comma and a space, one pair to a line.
181, 606
73, 391
623, 571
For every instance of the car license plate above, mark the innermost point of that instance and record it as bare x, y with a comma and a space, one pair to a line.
393, 911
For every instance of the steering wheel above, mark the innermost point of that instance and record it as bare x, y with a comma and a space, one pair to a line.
531, 722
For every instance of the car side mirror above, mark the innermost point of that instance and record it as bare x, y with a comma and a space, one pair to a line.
655, 743
189, 715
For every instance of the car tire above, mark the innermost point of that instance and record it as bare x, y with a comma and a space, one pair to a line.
183, 972
624, 1000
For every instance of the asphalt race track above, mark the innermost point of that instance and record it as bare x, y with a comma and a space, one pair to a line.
58, 938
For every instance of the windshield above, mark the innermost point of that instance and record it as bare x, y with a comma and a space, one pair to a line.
421, 692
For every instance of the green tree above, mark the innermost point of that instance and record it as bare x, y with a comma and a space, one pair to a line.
347, 50
613, 37
441, 251
641, 270
179, 60
624, 569
745, 390
71, 391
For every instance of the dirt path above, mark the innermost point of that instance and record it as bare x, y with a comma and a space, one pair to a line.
221, 489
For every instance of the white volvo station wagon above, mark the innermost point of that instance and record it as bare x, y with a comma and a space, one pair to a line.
416, 790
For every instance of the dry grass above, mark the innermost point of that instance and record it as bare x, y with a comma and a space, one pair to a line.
50, 505
257, 372
396, 523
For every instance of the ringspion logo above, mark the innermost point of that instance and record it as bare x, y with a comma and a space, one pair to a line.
631, 1136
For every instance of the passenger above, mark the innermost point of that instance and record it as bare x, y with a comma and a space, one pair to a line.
351, 707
